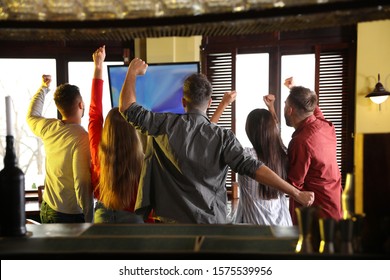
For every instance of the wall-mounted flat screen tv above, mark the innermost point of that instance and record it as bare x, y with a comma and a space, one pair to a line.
159, 90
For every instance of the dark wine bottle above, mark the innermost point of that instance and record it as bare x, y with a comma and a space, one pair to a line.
13, 215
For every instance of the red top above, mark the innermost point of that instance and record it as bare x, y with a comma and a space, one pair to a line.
95, 128
313, 165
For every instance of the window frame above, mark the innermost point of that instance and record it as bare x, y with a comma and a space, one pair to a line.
278, 44
62, 54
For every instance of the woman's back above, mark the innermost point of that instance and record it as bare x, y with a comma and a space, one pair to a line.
261, 204
254, 209
117, 157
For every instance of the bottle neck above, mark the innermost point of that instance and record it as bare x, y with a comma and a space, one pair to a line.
10, 157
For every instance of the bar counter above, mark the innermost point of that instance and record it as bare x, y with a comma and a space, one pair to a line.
103, 240
184, 241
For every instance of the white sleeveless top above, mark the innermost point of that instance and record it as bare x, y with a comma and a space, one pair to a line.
254, 210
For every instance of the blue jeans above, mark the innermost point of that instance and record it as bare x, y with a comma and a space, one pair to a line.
106, 215
50, 216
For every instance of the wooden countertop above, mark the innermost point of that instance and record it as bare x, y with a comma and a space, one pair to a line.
100, 240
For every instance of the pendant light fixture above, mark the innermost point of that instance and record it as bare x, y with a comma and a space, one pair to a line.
379, 94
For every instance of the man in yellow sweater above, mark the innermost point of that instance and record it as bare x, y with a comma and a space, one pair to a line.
68, 193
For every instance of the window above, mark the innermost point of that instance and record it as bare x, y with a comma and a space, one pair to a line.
323, 60
251, 87
303, 75
20, 79
21, 72
220, 73
335, 92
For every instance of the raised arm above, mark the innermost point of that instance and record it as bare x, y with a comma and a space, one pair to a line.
96, 107
98, 58
269, 101
289, 82
36, 105
127, 96
227, 99
95, 124
34, 118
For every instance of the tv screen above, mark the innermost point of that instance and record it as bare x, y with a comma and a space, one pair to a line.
159, 90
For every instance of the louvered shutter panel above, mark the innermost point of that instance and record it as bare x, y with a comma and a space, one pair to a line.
220, 72
334, 91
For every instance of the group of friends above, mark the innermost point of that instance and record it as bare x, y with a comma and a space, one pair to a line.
137, 166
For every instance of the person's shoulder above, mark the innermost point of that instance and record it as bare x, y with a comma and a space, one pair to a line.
78, 130
81, 136
324, 123
45, 119
222, 130
301, 138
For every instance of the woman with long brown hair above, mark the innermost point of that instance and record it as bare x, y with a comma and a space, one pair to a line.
117, 156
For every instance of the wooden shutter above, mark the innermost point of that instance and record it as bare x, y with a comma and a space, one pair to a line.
335, 90
220, 73
220, 70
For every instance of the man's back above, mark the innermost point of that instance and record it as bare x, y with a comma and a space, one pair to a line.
187, 157
187, 161
65, 148
68, 188
313, 164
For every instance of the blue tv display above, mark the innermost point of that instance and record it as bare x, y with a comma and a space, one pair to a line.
159, 90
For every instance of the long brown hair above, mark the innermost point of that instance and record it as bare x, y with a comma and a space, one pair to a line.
264, 135
121, 156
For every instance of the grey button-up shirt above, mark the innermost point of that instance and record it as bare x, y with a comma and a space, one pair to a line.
186, 164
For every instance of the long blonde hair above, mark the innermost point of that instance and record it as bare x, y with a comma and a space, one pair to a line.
121, 156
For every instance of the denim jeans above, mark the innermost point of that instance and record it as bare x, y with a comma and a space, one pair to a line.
50, 216
106, 215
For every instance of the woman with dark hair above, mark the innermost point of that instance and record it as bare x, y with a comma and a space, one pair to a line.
259, 203
117, 157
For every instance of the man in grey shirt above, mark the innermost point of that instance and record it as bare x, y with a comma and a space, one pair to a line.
187, 157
